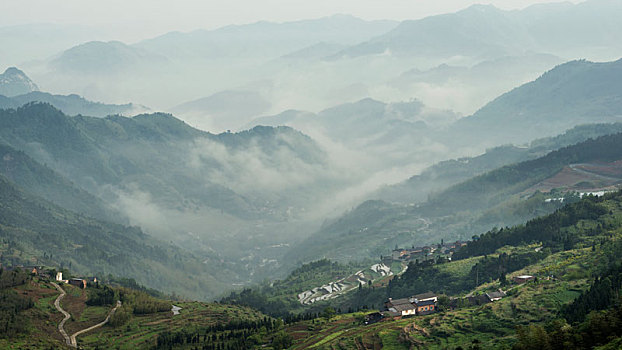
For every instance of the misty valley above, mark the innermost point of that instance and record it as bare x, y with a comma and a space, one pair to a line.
446, 181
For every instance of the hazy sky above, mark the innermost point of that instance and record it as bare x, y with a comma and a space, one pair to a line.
131, 20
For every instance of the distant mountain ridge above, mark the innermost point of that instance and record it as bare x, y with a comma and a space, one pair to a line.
265, 39
73, 104
17, 89
573, 93
98, 57
24, 43
496, 198
14, 82
208, 193
222, 110
370, 123
439, 176
483, 31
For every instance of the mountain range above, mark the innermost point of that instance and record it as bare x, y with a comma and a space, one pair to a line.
265, 39
306, 172
573, 93
17, 89
507, 195
484, 31
203, 191
293, 65
98, 57
202, 188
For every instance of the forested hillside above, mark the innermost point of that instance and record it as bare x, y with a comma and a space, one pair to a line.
72, 104
440, 176
103, 155
494, 187
44, 182
34, 231
574, 255
502, 197
577, 92
207, 193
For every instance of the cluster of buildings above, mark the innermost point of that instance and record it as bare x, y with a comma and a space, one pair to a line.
427, 303
78, 282
407, 254
52, 274
421, 304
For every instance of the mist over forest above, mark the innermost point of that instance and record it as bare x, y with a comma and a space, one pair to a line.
231, 175
239, 153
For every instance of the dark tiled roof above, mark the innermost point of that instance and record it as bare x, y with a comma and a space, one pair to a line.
424, 296
425, 303
401, 301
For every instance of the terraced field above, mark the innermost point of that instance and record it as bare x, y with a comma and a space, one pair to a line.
490, 325
142, 331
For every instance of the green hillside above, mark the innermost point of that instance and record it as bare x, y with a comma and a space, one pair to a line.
279, 298
29, 319
575, 253
34, 231
440, 176
489, 189
501, 197
71, 104
46, 183
205, 193
177, 165
577, 92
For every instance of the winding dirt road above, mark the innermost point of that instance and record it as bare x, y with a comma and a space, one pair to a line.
73, 336
61, 325
71, 341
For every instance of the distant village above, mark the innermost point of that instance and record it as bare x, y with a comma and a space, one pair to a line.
52, 275
427, 303
422, 253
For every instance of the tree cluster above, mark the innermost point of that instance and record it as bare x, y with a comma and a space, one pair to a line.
232, 335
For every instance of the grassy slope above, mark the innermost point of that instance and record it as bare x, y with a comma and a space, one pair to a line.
493, 325
43, 319
139, 333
